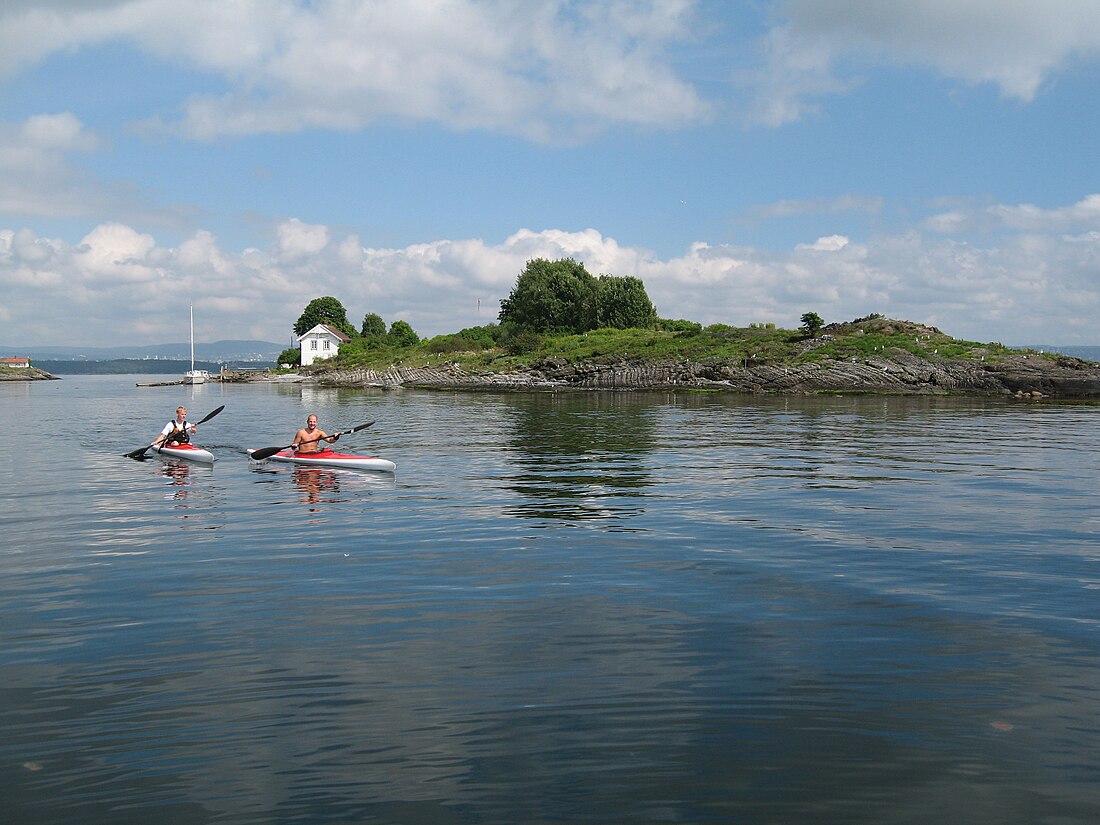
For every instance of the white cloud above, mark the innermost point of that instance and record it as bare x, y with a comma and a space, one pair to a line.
298, 240
816, 46
36, 177
40, 176
1081, 216
114, 254
552, 71
816, 206
830, 243
1035, 284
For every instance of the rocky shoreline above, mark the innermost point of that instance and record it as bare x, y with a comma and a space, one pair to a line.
27, 374
896, 373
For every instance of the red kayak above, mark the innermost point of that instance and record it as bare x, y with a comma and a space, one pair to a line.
331, 458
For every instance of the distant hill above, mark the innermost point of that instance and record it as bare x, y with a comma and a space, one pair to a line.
132, 366
218, 351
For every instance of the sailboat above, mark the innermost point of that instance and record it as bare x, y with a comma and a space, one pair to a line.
194, 376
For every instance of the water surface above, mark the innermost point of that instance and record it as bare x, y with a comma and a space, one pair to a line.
560, 608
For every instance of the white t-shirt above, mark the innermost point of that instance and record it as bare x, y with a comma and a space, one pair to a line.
172, 427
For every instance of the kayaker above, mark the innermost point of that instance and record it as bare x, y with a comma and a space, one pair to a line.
309, 438
176, 431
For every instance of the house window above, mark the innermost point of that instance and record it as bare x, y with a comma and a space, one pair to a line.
313, 343
326, 343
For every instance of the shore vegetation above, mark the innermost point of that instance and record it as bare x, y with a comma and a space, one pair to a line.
557, 310
504, 348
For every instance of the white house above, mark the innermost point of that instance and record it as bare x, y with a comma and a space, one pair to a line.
320, 342
18, 363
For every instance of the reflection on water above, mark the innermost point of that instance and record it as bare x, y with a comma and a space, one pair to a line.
178, 474
580, 458
313, 483
828, 610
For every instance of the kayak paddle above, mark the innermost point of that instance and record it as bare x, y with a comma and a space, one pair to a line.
267, 452
140, 453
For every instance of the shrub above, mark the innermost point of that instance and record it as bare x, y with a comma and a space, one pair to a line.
678, 325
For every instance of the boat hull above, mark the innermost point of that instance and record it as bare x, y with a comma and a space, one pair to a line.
330, 458
188, 452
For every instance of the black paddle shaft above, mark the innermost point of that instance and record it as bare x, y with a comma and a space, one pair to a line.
203, 420
267, 452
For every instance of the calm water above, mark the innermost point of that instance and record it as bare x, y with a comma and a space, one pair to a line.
594, 608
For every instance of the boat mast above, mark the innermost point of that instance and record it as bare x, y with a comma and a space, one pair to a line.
192, 338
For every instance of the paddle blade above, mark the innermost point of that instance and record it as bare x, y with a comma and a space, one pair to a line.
137, 454
211, 415
357, 429
264, 452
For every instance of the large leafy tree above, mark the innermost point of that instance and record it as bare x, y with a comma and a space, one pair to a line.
552, 296
623, 303
326, 310
373, 325
402, 334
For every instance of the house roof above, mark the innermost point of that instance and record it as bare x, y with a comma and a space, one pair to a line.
15, 360
325, 328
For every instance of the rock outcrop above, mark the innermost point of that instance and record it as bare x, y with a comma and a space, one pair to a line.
26, 374
895, 372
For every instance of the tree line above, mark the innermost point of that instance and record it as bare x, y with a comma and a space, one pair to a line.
549, 298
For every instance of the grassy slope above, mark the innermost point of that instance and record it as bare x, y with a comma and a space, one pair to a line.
862, 340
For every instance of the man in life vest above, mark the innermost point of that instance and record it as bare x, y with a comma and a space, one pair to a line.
176, 431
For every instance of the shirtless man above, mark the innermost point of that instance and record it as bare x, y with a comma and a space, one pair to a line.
178, 430
311, 434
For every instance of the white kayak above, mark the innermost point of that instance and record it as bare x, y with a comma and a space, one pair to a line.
331, 458
187, 451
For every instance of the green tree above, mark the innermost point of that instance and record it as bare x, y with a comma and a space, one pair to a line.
401, 334
291, 355
373, 325
623, 303
812, 323
552, 296
326, 310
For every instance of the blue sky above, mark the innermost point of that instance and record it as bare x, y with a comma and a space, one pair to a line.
750, 161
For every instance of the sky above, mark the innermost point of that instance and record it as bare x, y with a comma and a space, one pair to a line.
751, 160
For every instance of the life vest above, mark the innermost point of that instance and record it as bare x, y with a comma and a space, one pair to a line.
178, 435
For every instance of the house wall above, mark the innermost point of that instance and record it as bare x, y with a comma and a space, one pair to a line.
316, 346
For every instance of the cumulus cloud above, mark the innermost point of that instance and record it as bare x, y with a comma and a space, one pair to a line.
1034, 284
552, 71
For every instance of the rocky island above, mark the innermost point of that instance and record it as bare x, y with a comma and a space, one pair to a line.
869, 355
25, 374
